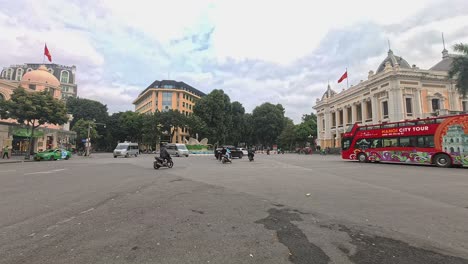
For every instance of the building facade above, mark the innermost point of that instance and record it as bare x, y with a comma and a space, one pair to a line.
396, 92
16, 136
65, 74
168, 95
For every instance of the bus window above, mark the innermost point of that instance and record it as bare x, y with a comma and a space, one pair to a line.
376, 143
390, 142
404, 142
345, 143
426, 142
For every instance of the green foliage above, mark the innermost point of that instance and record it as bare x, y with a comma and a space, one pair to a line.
81, 129
196, 147
86, 109
34, 108
170, 121
151, 130
196, 126
131, 124
268, 122
288, 136
215, 111
459, 69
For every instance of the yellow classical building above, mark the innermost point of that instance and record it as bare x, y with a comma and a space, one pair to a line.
168, 95
396, 92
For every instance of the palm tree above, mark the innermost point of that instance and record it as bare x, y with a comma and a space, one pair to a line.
459, 68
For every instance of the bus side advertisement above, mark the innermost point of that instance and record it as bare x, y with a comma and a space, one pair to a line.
441, 141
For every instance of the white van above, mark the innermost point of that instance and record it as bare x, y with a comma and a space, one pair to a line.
126, 149
177, 150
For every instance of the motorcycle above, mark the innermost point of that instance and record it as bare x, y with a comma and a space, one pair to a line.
159, 162
225, 159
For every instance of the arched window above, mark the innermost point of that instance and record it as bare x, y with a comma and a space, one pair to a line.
19, 74
51, 70
9, 74
28, 70
64, 77
2, 97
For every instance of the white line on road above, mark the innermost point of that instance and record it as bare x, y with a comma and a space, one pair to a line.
87, 211
44, 172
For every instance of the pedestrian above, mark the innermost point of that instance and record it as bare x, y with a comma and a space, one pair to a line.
5, 152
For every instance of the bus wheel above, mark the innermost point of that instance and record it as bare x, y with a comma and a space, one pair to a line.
442, 160
362, 157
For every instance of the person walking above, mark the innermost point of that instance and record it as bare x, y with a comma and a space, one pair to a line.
5, 152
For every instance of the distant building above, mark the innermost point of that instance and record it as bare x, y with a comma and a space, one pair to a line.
16, 136
168, 95
397, 91
65, 74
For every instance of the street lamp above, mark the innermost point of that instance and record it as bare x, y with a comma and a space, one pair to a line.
88, 139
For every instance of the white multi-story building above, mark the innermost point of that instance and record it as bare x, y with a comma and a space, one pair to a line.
397, 91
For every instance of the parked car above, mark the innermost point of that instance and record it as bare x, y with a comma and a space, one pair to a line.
235, 152
52, 154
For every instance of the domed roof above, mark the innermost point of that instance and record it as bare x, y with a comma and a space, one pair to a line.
394, 60
40, 76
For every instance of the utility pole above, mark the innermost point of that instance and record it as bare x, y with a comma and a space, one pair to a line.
88, 140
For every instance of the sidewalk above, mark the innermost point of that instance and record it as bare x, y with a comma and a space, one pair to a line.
15, 159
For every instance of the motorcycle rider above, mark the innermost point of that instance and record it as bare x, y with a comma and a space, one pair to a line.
251, 153
228, 153
164, 155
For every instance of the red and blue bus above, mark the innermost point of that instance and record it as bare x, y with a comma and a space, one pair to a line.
442, 141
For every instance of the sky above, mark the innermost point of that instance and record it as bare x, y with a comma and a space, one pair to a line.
256, 51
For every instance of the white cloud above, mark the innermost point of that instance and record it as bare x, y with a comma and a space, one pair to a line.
257, 51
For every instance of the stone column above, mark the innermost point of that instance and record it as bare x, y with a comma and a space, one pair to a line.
375, 116
417, 108
353, 113
363, 111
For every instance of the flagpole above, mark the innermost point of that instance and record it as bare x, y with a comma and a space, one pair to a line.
347, 77
43, 54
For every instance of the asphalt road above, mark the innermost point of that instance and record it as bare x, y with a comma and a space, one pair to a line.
277, 209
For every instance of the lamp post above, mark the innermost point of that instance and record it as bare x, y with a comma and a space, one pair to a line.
88, 139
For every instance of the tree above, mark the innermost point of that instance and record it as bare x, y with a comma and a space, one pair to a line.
237, 120
171, 121
33, 109
459, 69
196, 126
268, 122
288, 136
81, 129
86, 109
151, 130
307, 128
131, 123
215, 110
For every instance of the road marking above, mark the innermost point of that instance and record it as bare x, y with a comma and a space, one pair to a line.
65, 220
44, 172
87, 211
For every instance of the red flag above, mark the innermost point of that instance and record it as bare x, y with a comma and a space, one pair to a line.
344, 76
47, 53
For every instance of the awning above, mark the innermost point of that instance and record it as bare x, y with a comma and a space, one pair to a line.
24, 132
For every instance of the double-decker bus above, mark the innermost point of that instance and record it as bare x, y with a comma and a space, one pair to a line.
442, 141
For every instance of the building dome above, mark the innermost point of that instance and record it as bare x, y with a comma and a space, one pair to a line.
393, 60
40, 76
